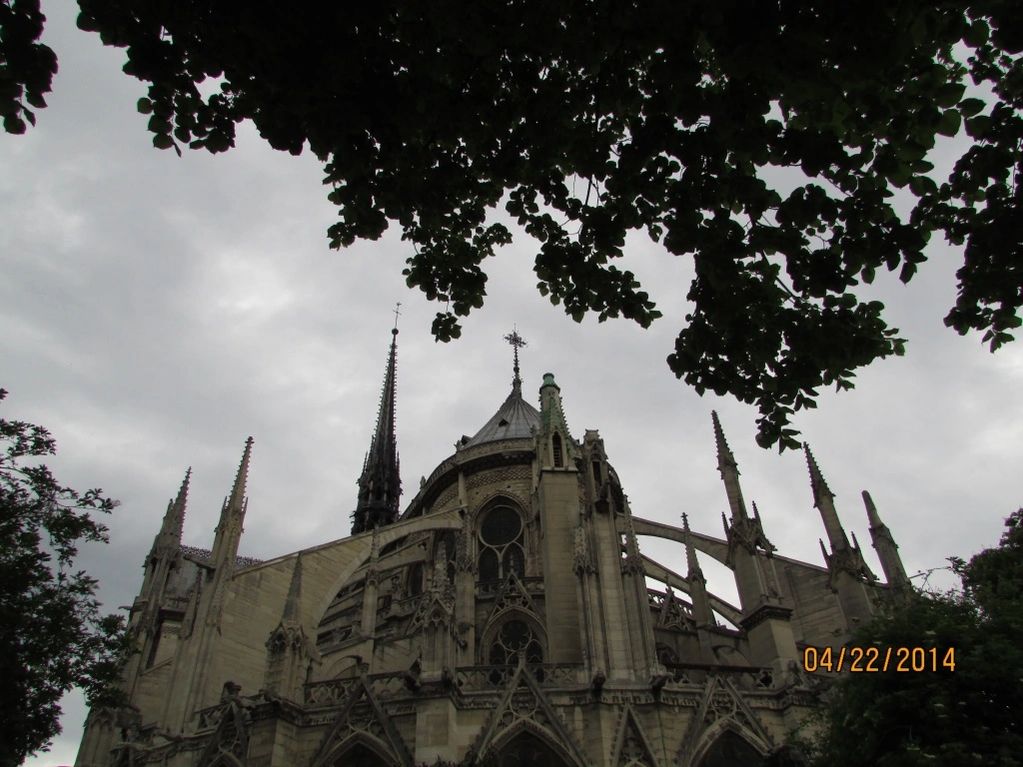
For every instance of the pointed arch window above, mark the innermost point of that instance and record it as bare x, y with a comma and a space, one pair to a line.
502, 549
415, 580
558, 450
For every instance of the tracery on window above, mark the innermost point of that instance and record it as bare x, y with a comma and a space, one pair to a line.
502, 549
515, 638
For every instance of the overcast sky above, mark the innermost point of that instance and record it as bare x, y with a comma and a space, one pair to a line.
156, 311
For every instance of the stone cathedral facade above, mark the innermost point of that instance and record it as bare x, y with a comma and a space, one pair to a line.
507, 616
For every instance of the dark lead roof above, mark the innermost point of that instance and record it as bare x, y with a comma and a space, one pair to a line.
515, 419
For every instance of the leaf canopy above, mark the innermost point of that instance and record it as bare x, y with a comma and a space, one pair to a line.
763, 140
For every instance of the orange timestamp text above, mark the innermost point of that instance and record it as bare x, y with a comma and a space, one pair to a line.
878, 659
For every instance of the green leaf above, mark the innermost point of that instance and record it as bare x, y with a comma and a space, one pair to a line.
144, 105
971, 106
949, 123
949, 94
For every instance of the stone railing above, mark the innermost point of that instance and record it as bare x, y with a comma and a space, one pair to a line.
330, 692
743, 677
476, 678
334, 691
534, 586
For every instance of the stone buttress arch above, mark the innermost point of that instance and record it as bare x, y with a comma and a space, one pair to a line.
318, 596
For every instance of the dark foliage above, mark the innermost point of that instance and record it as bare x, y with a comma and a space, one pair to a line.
52, 636
970, 715
763, 140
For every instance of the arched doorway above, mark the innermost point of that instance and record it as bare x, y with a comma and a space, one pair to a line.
527, 750
731, 750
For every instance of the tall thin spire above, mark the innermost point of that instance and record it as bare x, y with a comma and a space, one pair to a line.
517, 342
729, 470
241, 478
232, 514
824, 500
887, 549
174, 520
702, 613
380, 482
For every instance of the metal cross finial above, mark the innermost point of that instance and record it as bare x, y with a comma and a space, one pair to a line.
685, 520
397, 311
517, 342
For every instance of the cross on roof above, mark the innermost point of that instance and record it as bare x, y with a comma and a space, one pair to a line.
517, 342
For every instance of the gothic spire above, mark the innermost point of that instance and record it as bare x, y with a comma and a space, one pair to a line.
380, 482
887, 549
232, 514
241, 478
824, 500
174, 519
729, 473
702, 613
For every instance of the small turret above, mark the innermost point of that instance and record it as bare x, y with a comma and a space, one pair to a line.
558, 448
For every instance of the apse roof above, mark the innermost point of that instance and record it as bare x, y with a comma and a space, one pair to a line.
515, 419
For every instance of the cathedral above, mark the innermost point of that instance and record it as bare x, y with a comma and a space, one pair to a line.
506, 616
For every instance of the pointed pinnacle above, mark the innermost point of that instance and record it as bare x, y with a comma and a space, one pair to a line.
238, 489
174, 520
181, 502
872, 516
824, 551
856, 543
293, 600
692, 563
817, 483
725, 457
756, 512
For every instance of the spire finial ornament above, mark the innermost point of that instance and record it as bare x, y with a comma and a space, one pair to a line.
517, 342
397, 312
